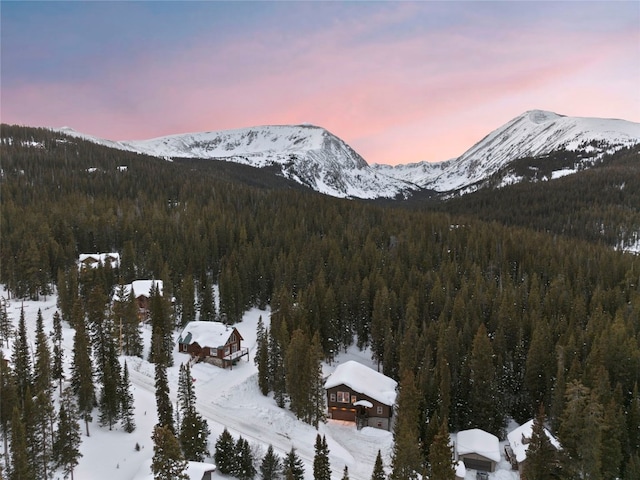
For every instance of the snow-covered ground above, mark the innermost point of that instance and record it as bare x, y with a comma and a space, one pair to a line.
226, 398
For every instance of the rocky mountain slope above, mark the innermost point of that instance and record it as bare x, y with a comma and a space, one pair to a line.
533, 134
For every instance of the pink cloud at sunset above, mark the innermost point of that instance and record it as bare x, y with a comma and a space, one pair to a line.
395, 90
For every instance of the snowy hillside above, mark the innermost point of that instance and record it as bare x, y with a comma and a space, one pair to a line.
531, 134
307, 154
226, 398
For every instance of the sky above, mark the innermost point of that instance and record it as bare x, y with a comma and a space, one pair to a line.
400, 82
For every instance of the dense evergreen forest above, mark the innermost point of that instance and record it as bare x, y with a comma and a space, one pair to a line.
481, 315
601, 204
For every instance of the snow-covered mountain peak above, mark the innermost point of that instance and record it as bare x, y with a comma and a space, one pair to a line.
541, 116
307, 154
535, 133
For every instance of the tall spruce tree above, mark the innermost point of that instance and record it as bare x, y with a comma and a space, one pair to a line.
110, 401
168, 462
6, 327
82, 368
580, 431
271, 466
277, 371
542, 460
187, 297
57, 367
126, 321
484, 400
261, 358
42, 364
193, 430
161, 329
21, 359
441, 455
321, 466
8, 400
66, 445
292, 466
21, 468
126, 402
163, 402
406, 463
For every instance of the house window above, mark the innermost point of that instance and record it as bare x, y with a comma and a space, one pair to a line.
354, 399
233, 337
332, 397
343, 397
379, 410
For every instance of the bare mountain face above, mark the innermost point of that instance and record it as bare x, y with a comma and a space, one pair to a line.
314, 157
533, 134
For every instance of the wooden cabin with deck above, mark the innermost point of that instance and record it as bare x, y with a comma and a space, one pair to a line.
212, 342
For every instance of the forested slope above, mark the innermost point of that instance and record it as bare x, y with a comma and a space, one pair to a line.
601, 204
482, 320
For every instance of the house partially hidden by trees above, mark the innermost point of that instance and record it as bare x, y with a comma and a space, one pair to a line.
479, 450
93, 260
519, 440
141, 291
359, 394
212, 342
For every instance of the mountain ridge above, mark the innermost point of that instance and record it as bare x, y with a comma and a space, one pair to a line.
318, 159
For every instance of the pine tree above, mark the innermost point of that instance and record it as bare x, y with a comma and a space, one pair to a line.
126, 321
168, 462
317, 393
207, 306
580, 432
541, 455
21, 359
57, 368
8, 400
194, 431
485, 404
110, 396
378, 469
6, 329
406, 461
277, 374
126, 402
261, 358
292, 466
187, 295
42, 366
66, 445
321, 466
44, 417
82, 369
224, 455
441, 455
271, 466
345, 473
163, 402
161, 329
244, 468
21, 468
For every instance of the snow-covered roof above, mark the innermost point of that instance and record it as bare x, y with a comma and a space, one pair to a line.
480, 442
363, 403
364, 380
140, 287
97, 258
523, 433
206, 334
